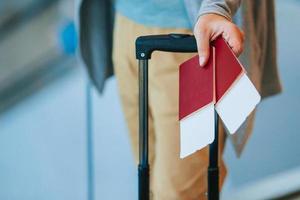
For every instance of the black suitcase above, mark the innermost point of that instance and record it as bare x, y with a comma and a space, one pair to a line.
145, 45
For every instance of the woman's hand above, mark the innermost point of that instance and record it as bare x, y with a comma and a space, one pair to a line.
209, 27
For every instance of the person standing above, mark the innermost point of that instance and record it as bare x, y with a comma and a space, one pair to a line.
170, 177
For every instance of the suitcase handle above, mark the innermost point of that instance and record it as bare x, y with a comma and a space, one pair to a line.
173, 42
145, 45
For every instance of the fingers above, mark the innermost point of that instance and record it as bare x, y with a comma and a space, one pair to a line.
235, 39
209, 27
203, 39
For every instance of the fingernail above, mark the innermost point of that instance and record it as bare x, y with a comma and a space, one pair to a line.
201, 60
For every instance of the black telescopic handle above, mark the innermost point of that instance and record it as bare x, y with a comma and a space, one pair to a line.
145, 45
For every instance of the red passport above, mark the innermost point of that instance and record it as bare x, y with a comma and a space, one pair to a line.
193, 95
221, 85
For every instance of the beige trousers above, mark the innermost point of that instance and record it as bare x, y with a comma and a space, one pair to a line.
171, 178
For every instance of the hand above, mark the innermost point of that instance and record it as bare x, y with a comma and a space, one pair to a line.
209, 27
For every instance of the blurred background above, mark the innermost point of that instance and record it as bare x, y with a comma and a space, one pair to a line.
43, 117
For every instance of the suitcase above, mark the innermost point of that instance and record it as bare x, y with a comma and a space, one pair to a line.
145, 45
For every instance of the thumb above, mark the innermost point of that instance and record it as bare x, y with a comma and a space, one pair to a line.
202, 39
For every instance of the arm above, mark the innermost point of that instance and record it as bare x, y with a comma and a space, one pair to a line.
225, 8
215, 19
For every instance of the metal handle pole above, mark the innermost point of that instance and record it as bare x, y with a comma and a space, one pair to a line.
89, 142
213, 168
143, 167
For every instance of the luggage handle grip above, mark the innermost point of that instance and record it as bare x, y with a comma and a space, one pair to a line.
173, 42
